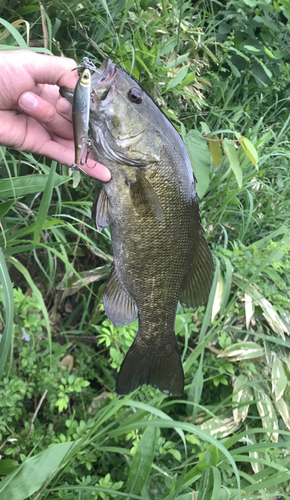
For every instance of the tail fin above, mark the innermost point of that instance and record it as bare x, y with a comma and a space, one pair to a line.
159, 368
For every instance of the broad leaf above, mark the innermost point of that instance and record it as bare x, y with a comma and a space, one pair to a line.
178, 78
279, 379
33, 473
200, 160
249, 149
267, 413
7, 466
284, 411
220, 428
232, 155
243, 350
242, 394
215, 150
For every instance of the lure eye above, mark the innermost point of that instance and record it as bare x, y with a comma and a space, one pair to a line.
86, 77
135, 95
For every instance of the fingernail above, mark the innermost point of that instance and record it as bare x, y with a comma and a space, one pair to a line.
28, 100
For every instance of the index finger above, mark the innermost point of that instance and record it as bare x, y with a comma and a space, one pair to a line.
53, 70
44, 68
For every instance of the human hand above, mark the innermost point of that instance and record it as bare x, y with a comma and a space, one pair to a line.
33, 116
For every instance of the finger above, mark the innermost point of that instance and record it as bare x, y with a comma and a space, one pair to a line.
64, 108
50, 69
46, 114
63, 154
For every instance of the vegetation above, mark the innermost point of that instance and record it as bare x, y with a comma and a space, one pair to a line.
220, 71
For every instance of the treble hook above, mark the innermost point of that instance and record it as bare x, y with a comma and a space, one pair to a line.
87, 64
89, 149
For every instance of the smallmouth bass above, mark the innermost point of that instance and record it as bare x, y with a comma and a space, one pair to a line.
160, 252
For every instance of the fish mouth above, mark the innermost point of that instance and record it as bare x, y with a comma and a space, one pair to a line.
101, 83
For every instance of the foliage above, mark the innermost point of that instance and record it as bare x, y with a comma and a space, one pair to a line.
220, 71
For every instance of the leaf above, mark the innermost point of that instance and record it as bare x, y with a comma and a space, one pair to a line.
178, 78
18, 38
269, 53
28, 184
283, 409
220, 428
218, 297
279, 379
190, 77
251, 48
269, 312
9, 306
205, 128
177, 61
249, 309
232, 156
33, 472
210, 456
142, 461
200, 160
175, 453
267, 71
242, 394
7, 466
5, 207
242, 350
249, 149
74, 283
267, 413
7, 32
215, 150
256, 466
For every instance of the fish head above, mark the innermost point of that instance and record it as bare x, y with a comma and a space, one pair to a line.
122, 118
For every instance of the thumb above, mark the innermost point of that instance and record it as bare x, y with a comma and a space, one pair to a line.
64, 108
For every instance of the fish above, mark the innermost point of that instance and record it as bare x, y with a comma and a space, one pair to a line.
160, 252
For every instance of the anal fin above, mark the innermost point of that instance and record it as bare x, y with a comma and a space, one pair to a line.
101, 210
196, 288
119, 306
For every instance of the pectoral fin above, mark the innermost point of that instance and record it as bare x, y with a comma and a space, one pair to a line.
143, 193
101, 210
119, 306
67, 92
197, 285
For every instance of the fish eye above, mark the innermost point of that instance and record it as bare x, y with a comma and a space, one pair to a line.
135, 95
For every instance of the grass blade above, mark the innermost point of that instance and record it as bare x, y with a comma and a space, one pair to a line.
9, 304
45, 202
